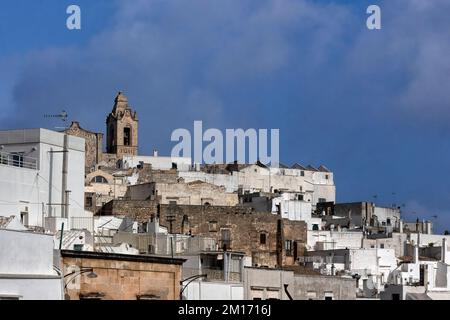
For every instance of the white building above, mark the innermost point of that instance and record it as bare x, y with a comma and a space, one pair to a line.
290, 207
203, 290
331, 240
32, 178
26, 267
158, 162
371, 266
420, 279
315, 185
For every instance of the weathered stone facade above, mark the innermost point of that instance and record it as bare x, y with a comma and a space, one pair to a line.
267, 239
122, 128
93, 146
192, 193
121, 277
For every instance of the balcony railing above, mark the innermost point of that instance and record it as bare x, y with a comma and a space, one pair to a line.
18, 160
213, 274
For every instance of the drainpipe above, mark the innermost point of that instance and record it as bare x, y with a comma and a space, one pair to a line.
444, 250
64, 178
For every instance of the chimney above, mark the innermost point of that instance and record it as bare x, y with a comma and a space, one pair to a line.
428, 224
401, 226
416, 254
444, 250
155, 153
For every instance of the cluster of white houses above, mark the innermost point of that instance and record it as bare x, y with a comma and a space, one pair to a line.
68, 212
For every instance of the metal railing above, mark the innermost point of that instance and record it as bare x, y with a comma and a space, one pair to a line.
18, 160
213, 274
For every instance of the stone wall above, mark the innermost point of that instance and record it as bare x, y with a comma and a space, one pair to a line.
239, 228
93, 143
320, 287
123, 277
180, 193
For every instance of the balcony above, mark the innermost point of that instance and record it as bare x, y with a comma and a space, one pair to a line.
213, 274
18, 160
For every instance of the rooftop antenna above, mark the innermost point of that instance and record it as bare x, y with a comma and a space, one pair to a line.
63, 116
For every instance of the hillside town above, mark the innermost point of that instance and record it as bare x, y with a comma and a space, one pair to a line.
79, 221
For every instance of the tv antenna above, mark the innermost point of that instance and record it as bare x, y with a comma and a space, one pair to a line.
63, 116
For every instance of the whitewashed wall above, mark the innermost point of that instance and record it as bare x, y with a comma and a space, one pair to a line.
201, 290
26, 266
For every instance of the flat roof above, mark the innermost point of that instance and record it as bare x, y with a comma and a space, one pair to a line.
122, 257
40, 135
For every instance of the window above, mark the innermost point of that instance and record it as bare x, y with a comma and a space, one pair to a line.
92, 296
99, 179
328, 295
322, 200
127, 136
288, 247
226, 239
88, 202
388, 221
213, 226
17, 159
302, 173
315, 227
262, 238
300, 197
327, 177
10, 297
382, 245
148, 297
311, 295
24, 218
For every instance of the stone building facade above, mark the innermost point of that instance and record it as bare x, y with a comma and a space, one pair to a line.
191, 193
269, 240
93, 143
121, 276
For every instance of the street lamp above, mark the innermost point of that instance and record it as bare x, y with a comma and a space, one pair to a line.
190, 280
77, 273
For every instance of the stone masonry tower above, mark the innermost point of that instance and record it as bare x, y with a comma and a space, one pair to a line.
122, 128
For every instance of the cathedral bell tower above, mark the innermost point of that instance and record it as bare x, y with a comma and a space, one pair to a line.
122, 128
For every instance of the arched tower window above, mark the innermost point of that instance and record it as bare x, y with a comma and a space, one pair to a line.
127, 136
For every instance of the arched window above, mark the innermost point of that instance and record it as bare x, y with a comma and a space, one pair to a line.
99, 179
127, 136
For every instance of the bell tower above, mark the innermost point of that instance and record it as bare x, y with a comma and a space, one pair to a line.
122, 128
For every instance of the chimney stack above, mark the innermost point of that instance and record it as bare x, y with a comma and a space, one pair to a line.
444, 250
428, 224
416, 253
155, 153
401, 226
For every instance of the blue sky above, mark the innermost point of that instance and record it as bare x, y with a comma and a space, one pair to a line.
373, 106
